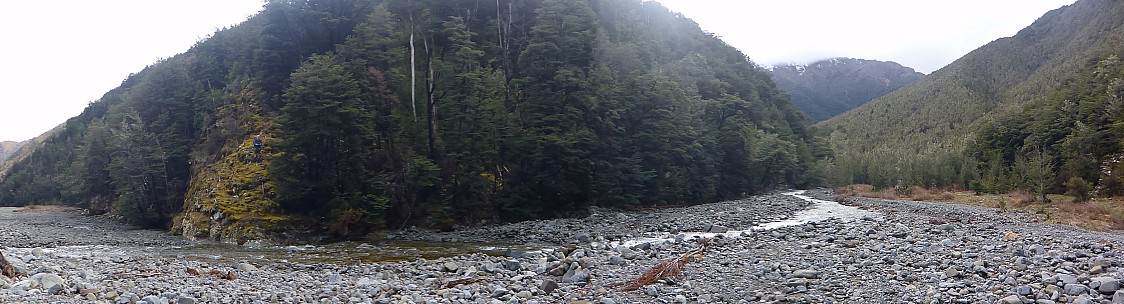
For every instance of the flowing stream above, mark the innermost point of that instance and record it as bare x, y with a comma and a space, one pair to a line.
362, 252
821, 210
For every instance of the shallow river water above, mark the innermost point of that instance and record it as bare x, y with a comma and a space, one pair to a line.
821, 210
388, 251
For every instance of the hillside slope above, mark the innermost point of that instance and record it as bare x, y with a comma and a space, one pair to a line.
917, 134
355, 115
13, 152
829, 87
8, 148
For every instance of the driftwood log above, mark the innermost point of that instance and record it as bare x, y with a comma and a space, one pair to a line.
467, 280
666, 269
6, 268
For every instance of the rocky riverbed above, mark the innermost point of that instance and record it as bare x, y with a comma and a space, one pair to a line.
903, 252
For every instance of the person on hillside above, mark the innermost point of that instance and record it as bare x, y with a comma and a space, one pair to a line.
257, 147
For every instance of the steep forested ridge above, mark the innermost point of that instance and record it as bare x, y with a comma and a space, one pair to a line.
376, 114
9, 148
918, 135
1077, 132
18, 152
829, 87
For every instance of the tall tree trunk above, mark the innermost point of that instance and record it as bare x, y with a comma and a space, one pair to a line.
413, 72
432, 102
499, 24
505, 45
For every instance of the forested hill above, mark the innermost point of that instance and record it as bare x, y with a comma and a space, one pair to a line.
829, 87
8, 148
382, 114
918, 134
14, 152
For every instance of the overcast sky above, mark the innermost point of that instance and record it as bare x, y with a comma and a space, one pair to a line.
923, 35
57, 56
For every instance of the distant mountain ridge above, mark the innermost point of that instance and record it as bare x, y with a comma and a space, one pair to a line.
12, 152
7, 148
918, 134
829, 87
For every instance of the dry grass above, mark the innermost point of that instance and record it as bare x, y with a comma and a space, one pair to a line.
915, 193
865, 190
1020, 199
1096, 214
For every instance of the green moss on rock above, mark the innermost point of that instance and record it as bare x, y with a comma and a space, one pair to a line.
231, 199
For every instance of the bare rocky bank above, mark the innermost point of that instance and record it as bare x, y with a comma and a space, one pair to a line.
912, 252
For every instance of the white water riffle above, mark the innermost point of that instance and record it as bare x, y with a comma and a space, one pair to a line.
821, 210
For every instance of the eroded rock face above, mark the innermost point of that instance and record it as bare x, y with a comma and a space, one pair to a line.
230, 201
196, 226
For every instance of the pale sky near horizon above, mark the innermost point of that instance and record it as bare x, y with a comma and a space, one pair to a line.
58, 56
923, 35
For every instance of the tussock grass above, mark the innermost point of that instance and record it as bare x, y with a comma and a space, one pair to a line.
915, 193
1096, 214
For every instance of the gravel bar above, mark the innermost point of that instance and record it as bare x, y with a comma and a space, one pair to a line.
914, 252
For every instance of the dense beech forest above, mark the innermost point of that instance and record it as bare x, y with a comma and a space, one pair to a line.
382, 114
1071, 142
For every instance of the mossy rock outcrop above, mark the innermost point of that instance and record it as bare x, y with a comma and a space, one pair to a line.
231, 200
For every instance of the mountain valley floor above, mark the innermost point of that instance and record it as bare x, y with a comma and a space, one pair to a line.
914, 252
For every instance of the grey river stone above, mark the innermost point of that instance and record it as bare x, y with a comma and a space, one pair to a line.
768, 248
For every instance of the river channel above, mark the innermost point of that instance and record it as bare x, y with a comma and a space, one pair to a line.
352, 252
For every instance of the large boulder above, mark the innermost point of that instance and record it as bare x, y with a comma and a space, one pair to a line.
806, 274
48, 280
1075, 289
247, 267
548, 286
1105, 285
1011, 299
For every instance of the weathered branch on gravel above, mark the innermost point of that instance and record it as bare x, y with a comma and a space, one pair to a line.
665, 269
6, 268
136, 274
225, 275
461, 281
